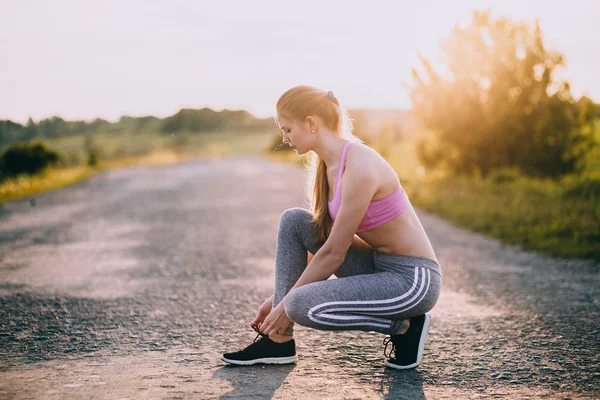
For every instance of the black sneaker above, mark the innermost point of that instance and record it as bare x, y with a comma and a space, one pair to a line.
263, 351
408, 348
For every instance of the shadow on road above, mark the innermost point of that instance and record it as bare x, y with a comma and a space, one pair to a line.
253, 381
262, 381
402, 385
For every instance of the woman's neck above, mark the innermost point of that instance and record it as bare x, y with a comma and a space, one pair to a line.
330, 151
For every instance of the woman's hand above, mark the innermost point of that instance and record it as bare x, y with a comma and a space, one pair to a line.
263, 311
276, 322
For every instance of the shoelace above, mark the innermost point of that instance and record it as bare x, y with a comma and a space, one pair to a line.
387, 340
259, 333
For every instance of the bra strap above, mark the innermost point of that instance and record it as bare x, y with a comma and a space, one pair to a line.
342, 167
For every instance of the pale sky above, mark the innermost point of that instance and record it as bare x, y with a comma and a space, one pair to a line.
81, 59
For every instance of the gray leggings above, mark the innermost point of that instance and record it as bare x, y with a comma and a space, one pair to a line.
374, 291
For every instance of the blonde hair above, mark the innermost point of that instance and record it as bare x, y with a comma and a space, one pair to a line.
298, 103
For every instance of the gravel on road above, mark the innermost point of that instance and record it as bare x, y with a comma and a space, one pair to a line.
132, 283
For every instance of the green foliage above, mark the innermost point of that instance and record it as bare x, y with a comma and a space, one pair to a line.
186, 120
92, 151
588, 189
27, 159
504, 175
93, 157
207, 120
537, 214
31, 130
9, 132
53, 127
497, 105
181, 141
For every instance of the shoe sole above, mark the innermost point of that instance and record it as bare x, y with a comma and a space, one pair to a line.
421, 347
272, 360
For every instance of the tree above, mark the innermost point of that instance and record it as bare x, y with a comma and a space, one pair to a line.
53, 127
9, 132
30, 131
495, 103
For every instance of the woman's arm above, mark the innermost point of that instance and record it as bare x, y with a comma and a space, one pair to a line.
356, 241
320, 267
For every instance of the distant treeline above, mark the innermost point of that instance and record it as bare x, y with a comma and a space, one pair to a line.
203, 120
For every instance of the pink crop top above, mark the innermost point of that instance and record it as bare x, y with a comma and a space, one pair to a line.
379, 211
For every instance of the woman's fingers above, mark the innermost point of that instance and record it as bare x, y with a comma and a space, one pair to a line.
260, 316
264, 329
272, 322
267, 325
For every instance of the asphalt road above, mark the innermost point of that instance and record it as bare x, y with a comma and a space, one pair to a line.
131, 284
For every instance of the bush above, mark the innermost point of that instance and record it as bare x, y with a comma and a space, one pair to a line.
27, 158
504, 175
93, 157
588, 189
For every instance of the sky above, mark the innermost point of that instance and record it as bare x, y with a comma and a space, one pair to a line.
83, 59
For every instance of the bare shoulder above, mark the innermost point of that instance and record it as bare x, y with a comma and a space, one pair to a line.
366, 157
368, 164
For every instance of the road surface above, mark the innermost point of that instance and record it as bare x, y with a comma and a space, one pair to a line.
132, 283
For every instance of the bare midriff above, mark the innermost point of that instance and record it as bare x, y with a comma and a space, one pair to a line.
403, 235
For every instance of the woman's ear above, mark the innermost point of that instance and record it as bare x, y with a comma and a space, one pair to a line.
312, 123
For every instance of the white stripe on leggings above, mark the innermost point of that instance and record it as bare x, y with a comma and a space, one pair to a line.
394, 309
414, 285
389, 323
335, 316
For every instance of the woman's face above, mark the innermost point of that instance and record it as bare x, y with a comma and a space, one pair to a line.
295, 134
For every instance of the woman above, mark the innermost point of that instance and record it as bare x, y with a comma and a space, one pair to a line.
363, 230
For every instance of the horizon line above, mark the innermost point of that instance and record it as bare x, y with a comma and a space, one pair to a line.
90, 120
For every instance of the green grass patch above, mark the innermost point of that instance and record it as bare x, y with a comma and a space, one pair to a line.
24, 185
542, 215
129, 149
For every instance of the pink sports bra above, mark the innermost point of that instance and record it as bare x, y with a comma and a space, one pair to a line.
380, 211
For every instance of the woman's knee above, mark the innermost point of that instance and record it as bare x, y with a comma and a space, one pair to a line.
293, 216
295, 306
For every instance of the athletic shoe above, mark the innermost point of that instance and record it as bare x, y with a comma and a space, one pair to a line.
408, 348
263, 351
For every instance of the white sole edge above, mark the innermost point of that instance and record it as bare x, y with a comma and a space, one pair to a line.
275, 360
426, 324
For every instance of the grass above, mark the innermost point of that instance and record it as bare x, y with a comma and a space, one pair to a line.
123, 150
55, 178
24, 185
536, 214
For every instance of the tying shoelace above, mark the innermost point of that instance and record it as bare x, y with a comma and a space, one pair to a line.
259, 333
386, 341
